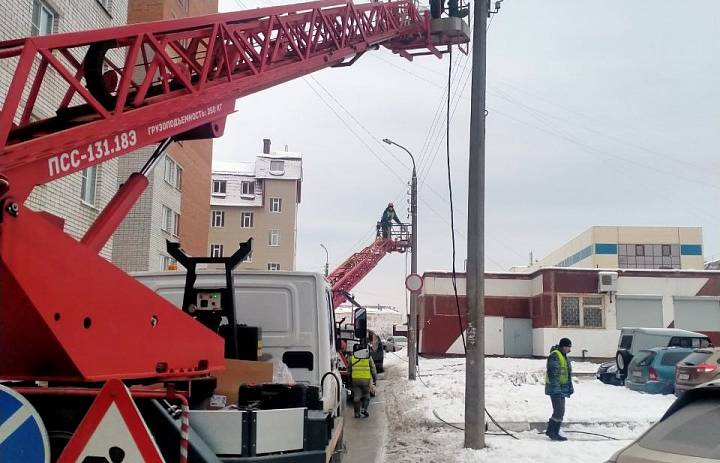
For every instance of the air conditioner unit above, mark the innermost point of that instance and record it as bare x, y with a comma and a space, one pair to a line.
607, 282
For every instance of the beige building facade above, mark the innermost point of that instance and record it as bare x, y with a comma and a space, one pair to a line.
631, 247
257, 200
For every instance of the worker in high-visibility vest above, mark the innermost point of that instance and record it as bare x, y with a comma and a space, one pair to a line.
558, 385
364, 376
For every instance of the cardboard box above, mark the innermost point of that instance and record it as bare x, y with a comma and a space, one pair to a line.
239, 372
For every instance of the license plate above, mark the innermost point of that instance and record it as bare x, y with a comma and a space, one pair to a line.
637, 374
683, 376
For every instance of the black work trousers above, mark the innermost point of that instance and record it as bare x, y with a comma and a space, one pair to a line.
558, 405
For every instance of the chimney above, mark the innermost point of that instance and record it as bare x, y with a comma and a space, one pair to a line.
266, 146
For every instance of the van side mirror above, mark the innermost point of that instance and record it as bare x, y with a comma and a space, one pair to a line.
360, 323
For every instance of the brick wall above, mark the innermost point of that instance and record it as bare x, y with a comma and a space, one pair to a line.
62, 197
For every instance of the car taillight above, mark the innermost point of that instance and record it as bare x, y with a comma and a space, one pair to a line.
652, 374
705, 368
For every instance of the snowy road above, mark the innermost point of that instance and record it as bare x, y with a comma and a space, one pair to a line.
514, 393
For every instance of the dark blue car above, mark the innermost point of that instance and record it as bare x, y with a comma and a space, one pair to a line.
653, 370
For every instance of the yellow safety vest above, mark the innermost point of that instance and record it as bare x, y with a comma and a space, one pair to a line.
564, 377
360, 368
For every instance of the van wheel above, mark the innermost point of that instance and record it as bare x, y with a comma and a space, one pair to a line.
622, 359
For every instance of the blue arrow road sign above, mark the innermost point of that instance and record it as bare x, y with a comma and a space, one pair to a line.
23, 437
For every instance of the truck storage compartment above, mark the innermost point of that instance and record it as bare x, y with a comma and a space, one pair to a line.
272, 396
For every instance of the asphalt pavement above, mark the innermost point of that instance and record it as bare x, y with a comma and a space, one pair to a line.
365, 437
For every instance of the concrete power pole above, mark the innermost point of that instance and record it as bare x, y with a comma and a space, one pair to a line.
475, 276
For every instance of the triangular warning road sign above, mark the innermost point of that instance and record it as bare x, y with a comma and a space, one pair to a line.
112, 431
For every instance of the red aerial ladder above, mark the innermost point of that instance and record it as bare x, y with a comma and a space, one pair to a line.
348, 274
66, 314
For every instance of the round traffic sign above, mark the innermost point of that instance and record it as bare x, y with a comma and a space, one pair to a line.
414, 282
22, 433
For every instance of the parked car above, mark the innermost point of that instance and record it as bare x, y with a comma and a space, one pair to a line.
701, 366
607, 373
686, 433
653, 370
395, 343
633, 340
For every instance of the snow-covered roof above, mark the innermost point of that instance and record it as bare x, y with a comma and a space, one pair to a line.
237, 168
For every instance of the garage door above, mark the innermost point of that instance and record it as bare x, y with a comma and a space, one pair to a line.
697, 313
639, 311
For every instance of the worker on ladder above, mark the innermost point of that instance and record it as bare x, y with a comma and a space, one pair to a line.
364, 376
387, 218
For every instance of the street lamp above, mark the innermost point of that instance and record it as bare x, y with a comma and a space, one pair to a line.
326, 258
412, 329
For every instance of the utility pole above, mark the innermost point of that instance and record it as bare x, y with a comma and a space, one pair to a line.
412, 323
475, 276
327, 267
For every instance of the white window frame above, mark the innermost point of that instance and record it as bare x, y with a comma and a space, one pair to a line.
37, 26
166, 261
217, 219
274, 238
218, 183
176, 224
280, 171
247, 187
244, 215
166, 223
273, 267
216, 250
276, 205
89, 196
582, 311
248, 258
170, 171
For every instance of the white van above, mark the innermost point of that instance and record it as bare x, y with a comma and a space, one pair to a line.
294, 311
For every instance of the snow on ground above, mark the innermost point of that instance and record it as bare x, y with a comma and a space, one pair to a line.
514, 393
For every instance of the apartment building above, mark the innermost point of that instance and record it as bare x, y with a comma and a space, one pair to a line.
257, 200
76, 198
178, 185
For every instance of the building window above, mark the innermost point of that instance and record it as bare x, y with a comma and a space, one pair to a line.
173, 173
216, 250
276, 205
273, 267
176, 224
649, 256
167, 263
218, 219
248, 258
247, 219
247, 188
274, 238
219, 187
43, 20
167, 219
277, 167
88, 185
581, 312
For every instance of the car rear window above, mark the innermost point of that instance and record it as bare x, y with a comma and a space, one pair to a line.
643, 358
696, 358
672, 358
690, 431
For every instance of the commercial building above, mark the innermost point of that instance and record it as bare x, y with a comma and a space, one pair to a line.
177, 191
257, 200
527, 313
630, 247
607, 278
76, 198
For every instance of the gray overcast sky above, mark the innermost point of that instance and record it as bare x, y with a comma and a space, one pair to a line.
600, 112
